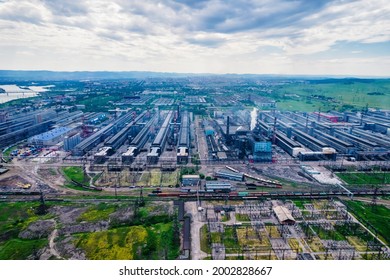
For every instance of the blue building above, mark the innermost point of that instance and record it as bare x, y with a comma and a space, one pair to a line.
51, 137
230, 175
261, 149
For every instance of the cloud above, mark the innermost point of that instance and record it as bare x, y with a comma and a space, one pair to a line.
237, 35
66, 8
22, 11
206, 41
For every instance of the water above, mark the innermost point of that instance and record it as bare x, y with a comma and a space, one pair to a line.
15, 92
254, 114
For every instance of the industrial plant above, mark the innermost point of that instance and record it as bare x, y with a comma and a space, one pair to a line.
248, 177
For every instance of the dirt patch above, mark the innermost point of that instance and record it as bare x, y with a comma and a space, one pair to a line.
68, 250
52, 175
37, 230
67, 214
83, 227
122, 215
14, 182
285, 172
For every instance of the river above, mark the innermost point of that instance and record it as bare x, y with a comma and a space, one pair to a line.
15, 92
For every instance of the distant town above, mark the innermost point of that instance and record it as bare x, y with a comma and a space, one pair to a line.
164, 166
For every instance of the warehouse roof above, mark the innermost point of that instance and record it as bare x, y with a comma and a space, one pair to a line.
52, 134
283, 215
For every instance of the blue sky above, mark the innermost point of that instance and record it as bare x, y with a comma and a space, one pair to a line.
339, 37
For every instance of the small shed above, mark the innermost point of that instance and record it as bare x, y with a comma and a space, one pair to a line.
284, 215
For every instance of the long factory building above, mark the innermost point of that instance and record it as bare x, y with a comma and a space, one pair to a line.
114, 142
138, 142
319, 136
90, 142
19, 128
183, 148
160, 140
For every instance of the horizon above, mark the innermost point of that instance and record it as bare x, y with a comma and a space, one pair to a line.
312, 38
181, 74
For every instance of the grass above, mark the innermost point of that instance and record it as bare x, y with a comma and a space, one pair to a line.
226, 217
204, 243
354, 230
78, 188
9, 151
242, 217
248, 237
130, 243
155, 178
215, 237
358, 243
145, 179
98, 212
336, 94
315, 244
356, 178
230, 243
294, 244
14, 218
273, 231
75, 173
169, 178
378, 216
301, 202
19, 249
328, 234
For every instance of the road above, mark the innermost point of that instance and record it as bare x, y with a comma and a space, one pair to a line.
52, 237
196, 252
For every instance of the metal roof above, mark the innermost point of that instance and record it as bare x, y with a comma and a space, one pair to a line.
52, 134
283, 214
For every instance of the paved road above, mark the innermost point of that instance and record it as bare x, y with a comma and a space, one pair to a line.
196, 253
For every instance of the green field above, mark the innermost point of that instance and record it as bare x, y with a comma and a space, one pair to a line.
14, 218
204, 243
130, 243
342, 94
75, 173
356, 178
242, 217
20, 249
98, 212
378, 216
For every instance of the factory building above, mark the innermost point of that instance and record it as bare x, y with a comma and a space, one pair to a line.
261, 149
138, 142
102, 154
190, 180
284, 215
21, 126
51, 137
183, 149
88, 143
160, 140
230, 175
119, 138
218, 187
71, 141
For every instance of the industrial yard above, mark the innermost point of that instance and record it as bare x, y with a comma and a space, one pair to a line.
249, 179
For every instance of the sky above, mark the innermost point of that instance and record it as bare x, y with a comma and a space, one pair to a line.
310, 37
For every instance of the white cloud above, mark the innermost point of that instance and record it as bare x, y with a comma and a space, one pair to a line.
190, 36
